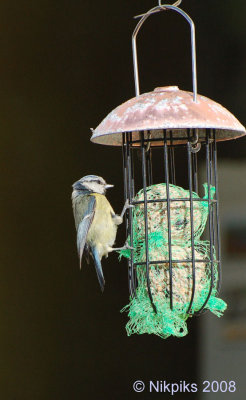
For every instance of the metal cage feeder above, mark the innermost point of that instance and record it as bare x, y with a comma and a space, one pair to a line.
168, 120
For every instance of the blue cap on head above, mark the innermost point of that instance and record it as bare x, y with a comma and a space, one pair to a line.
79, 185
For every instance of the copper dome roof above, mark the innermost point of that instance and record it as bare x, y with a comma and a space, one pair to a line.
167, 108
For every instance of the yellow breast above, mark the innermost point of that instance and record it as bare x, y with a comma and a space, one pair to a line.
103, 230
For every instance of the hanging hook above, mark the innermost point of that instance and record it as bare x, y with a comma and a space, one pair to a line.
148, 144
195, 145
193, 43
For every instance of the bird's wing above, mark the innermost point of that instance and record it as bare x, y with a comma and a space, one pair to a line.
88, 211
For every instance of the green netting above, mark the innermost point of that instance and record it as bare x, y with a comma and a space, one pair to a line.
166, 322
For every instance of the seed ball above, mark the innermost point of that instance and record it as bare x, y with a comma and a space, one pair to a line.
180, 215
182, 280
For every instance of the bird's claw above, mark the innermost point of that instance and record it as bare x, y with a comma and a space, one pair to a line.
127, 247
127, 205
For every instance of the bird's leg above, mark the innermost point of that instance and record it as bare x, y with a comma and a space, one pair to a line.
125, 247
126, 206
118, 219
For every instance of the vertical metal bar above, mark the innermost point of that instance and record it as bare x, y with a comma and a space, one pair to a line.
211, 169
191, 225
126, 196
124, 164
172, 160
146, 221
217, 213
149, 163
210, 221
195, 171
193, 61
166, 167
151, 168
134, 276
132, 167
130, 212
125, 177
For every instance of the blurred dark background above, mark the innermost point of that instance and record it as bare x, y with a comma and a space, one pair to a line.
63, 66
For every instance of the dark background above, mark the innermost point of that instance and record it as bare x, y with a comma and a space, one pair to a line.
63, 66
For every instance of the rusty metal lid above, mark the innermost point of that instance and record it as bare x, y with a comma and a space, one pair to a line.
167, 108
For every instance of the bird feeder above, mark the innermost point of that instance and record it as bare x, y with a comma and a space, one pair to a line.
174, 271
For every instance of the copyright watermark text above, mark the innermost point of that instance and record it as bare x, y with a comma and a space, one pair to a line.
184, 387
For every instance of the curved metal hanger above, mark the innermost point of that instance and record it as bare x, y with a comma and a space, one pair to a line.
164, 7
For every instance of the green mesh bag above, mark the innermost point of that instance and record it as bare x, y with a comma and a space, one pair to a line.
166, 322
179, 212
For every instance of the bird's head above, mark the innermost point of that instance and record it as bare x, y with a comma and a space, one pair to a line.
91, 184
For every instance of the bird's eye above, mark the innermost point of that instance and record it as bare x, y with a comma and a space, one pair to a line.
98, 181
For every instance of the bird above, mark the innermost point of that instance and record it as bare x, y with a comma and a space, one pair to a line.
95, 221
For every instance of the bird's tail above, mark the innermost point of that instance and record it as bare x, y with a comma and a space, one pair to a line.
98, 267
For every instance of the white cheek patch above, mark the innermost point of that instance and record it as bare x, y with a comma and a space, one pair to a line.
95, 187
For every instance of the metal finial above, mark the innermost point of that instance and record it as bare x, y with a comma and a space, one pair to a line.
176, 4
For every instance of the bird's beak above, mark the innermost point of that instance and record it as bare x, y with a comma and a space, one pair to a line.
108, 186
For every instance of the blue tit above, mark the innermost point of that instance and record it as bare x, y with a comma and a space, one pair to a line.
95, 220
